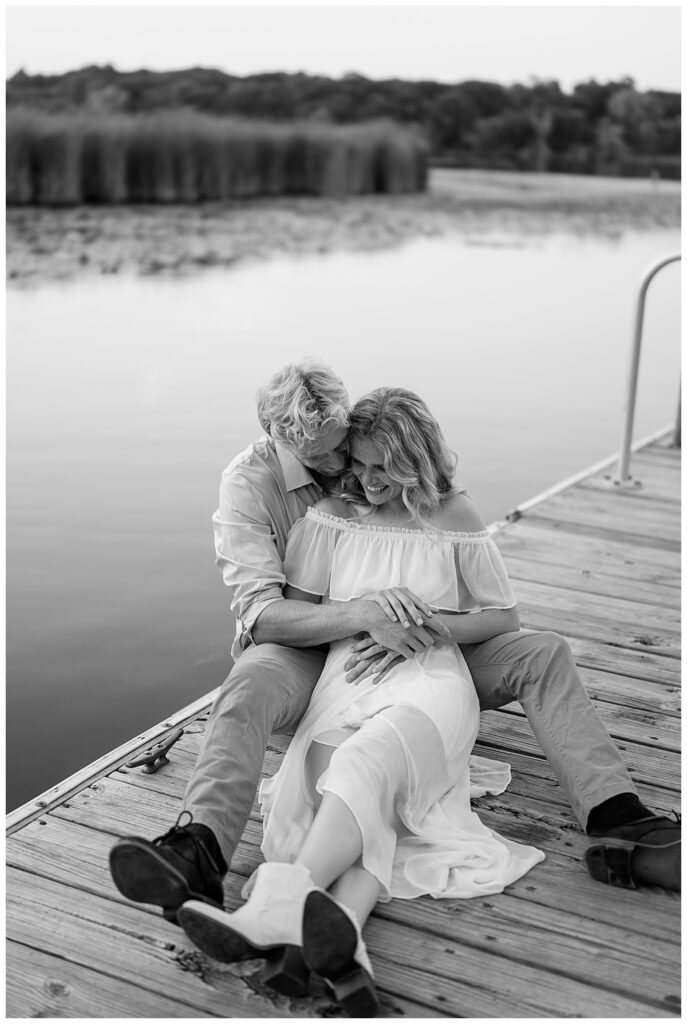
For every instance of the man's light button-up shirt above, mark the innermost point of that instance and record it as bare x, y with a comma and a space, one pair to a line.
263, 491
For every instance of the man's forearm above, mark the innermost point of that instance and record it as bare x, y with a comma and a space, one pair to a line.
302, 624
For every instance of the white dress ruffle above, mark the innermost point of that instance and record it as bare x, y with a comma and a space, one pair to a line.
401, 758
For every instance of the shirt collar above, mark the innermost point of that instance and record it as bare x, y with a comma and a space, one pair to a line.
295, 473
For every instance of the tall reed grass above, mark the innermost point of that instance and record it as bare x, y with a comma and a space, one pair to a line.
185, 157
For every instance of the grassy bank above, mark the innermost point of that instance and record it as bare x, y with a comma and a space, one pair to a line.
482, 206
184, 157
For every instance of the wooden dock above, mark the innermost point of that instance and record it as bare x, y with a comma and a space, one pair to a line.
597, 565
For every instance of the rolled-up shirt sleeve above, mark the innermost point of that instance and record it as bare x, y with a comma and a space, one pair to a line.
246, 551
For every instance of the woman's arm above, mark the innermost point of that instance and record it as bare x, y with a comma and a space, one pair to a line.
475, 627
460, 515
368, 658
294, 594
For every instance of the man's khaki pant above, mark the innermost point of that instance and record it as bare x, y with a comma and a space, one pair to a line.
269, 689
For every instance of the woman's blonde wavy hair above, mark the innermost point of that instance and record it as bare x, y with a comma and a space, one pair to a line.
300, 400
415, 454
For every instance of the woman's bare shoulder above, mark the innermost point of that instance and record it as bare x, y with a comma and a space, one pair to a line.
333, 506
458, 514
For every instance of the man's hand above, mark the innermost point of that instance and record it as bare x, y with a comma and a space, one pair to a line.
407, 624
374, 654
406, 640
368, 658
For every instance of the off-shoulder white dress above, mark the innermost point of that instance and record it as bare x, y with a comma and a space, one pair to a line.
402, 760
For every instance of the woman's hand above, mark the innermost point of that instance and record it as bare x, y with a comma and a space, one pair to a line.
401, 605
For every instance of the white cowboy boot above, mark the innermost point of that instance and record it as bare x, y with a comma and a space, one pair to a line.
267, 926
333, 947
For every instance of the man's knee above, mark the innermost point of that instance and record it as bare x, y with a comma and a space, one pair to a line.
270, 684
551, 649
547, 657
255, 681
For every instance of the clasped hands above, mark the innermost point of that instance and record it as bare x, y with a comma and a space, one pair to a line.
407, 626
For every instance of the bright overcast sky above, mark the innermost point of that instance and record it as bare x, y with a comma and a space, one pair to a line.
446, 43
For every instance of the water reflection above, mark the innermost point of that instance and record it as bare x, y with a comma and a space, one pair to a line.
127, 397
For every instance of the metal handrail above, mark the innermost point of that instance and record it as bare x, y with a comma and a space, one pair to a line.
623, 478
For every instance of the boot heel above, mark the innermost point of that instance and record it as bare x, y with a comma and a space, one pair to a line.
286, 972
170, 914
611, 863
356, 992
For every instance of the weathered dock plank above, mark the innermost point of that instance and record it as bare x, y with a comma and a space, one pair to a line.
530, 539
579, 518
41, 985
123, 942
636, 662
599, 566
591, 580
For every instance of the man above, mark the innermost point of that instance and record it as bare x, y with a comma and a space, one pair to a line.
279, 652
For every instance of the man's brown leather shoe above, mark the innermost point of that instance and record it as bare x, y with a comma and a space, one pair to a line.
173, 868
644, 852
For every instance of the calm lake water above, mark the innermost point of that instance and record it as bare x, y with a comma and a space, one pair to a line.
126, 397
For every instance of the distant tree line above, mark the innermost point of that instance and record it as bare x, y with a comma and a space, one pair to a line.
597, 128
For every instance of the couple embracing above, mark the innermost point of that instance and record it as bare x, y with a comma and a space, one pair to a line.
374, 617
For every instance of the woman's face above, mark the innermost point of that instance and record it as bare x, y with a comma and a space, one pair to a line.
367, 463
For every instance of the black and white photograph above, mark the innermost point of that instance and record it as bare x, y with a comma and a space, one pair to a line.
343, 511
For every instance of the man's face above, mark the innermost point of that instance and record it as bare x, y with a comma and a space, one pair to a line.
326, 454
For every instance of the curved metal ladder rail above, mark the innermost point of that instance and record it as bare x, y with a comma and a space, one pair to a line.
623, 478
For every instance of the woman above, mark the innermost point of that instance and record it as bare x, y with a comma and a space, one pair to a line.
372, 800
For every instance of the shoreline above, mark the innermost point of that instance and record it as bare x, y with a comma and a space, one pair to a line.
48, 245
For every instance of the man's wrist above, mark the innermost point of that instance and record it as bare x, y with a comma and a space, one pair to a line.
360, 613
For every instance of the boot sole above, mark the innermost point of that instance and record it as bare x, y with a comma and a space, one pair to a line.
286, 971
143, 876
329, 944
218, 939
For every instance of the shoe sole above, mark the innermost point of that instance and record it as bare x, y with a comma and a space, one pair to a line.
329, 944
286, 971
613, 862
143, 876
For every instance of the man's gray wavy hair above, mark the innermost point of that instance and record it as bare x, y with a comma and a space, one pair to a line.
300, 400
